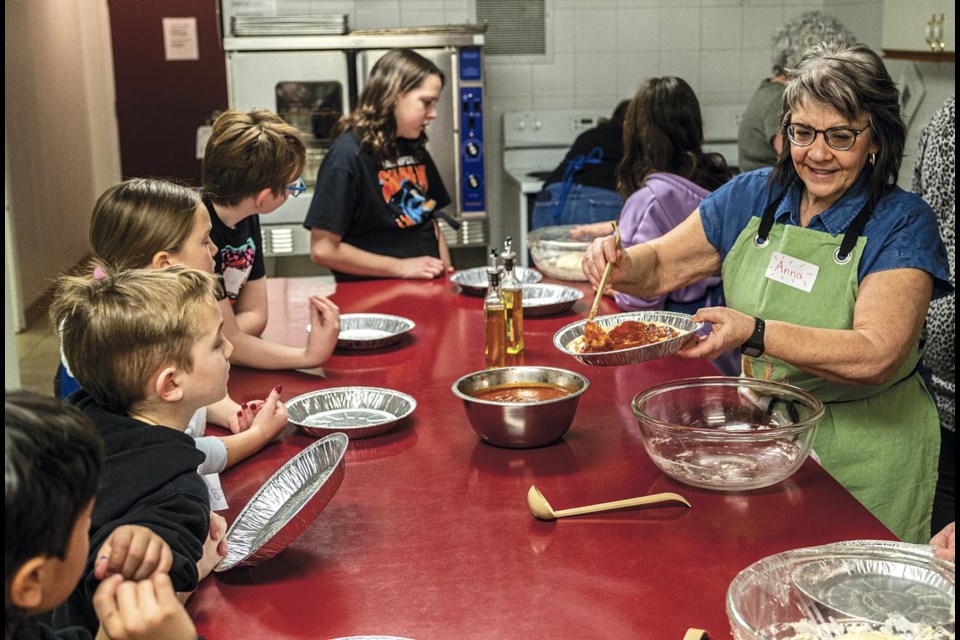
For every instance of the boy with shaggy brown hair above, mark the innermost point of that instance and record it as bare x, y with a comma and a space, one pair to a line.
251, 166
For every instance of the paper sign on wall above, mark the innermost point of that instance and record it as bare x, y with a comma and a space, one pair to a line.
180, 39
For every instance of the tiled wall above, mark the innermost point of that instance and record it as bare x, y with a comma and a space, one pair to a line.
599, 51
379, 14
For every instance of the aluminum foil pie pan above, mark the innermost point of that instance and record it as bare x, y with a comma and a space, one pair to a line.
869, 580
547, 299
845, 590
680, 321
371, 330
359, 412
473, 282
287, 503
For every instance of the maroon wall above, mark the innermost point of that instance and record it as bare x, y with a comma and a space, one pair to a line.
161, 103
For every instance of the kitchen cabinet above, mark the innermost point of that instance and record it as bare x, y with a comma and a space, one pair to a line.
906, 27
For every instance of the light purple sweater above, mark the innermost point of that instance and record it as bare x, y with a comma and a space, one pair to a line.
664, 202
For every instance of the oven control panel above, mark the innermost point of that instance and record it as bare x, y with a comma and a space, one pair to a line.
472, 187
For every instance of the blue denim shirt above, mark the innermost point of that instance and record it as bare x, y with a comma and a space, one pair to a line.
901, 233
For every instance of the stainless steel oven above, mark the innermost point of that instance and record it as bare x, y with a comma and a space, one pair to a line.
313, 80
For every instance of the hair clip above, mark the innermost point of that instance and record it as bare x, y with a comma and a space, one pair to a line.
99, 273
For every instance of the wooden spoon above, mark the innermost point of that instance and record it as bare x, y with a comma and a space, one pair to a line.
603, 278
542, 509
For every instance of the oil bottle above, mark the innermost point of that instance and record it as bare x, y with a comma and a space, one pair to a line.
494, 317
513, 298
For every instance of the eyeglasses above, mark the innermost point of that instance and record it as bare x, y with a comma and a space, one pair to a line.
839, 138
297, 187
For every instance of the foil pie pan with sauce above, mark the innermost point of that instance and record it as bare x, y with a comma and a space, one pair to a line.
682, 322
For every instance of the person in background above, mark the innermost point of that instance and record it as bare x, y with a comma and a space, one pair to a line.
146, 223
664, 174
828, 269
760, 139
147, 347
251, 165
583, 187
934, 179
53, 458
378, 193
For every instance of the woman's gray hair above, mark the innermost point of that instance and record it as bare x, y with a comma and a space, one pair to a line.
853, 81
801, 33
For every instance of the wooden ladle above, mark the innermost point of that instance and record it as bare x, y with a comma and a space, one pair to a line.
603, 278
542, 509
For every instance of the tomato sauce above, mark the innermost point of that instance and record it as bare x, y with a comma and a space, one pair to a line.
522, 393
629, 333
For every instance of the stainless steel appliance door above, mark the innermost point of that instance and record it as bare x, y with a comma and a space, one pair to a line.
443, 133
265, 79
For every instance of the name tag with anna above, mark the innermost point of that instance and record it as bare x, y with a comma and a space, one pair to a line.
792, 272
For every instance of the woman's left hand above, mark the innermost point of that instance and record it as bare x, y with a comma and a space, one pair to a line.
729, 330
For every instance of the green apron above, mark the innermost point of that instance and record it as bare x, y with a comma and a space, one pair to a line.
882, 442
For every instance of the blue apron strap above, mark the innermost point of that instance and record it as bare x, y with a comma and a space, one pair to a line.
595, 156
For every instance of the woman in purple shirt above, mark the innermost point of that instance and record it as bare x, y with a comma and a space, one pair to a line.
664, 174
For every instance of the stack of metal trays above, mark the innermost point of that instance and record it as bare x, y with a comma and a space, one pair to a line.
466, 28
328, 24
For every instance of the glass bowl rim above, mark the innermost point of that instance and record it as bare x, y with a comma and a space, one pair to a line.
728, 381
791, 559
535, 241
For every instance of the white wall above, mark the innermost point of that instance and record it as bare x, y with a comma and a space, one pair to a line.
599, 51
61, 132
61, 126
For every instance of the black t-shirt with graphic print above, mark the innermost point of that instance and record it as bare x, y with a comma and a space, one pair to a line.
382, 208
239, 256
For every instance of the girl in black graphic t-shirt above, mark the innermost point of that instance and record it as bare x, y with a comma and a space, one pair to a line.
372, 214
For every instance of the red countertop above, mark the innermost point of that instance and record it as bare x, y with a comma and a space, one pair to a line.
429, 536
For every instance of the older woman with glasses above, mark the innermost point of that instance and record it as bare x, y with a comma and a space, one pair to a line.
828, 268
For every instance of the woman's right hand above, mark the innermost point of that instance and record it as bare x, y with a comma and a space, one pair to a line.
421, 268
598, 254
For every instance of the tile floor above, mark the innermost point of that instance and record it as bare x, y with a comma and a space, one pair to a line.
39, 351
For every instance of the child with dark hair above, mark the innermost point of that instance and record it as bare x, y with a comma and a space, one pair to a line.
52, 463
